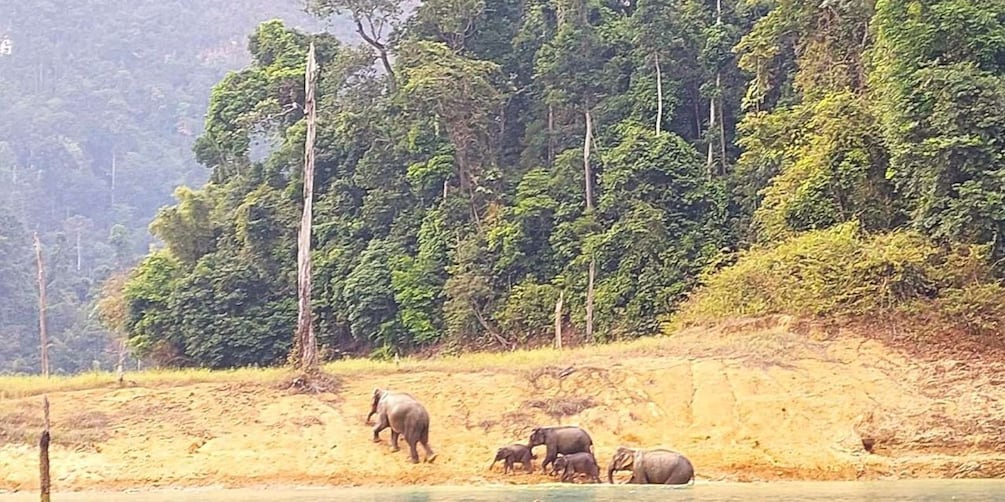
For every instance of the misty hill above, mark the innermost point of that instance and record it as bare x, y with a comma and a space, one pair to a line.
101, 101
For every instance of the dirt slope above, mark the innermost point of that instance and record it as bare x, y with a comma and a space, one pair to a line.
750, 401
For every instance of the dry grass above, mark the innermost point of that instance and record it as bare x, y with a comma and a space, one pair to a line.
19, 386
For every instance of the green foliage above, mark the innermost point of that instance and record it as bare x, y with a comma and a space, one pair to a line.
664, 220
843, 272
831, 169
940, 81
450, 208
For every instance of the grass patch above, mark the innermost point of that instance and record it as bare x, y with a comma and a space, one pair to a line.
21, 386
842, 273
78, 429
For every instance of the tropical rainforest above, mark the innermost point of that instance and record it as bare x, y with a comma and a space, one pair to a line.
491, 171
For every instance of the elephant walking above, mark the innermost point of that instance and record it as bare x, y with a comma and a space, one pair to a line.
405, 416
560, 439
514, 453
657, 466
577, 463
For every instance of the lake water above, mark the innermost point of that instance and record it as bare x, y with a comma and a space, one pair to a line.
926, 490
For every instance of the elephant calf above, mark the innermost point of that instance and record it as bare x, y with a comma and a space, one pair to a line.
406, 416
657, 466
577, 463
515, 453
560, 439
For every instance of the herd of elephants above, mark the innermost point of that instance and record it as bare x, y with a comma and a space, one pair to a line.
569, 448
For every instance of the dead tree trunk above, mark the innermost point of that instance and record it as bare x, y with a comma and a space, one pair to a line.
722, 129
306, 341
558, 320
659, 96
589, 209
711, 127
711, 104
551, 135
373, 39
586, 161
43, 336
43, 458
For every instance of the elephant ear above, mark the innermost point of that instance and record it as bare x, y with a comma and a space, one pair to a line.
638, 457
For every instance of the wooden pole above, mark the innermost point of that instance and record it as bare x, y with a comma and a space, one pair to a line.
589, 298
42, 335
306, 340
589, 209
43, 460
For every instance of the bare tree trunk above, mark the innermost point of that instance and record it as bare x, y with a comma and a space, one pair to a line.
42, 335
306, 340
711, 127
589, 208
589, 298
392, 81
659, 96
43, 454
119, 368
558, 320
551, 135
711, 103
586, 161
722, 129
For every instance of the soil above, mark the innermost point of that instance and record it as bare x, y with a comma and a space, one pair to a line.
749, 400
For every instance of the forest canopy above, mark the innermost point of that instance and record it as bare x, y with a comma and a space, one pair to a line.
485, 165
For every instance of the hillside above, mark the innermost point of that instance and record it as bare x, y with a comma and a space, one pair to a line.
754, 400
102, 101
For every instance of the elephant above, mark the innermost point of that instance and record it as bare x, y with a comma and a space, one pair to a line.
405, 416
515, 452
656, 466
560, 439
577, 463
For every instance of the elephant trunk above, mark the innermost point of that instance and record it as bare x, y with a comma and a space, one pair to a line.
610, 471
368, 417
493, 463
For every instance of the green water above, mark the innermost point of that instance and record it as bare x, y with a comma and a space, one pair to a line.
927, 490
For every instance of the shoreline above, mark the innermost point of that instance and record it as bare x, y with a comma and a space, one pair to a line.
761, 402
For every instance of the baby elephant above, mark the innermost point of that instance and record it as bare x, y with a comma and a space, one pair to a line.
515, 453
577, 463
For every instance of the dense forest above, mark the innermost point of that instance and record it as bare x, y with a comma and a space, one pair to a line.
485, 164
101, 102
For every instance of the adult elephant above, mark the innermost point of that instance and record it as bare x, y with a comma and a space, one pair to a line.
656, 466
566, 440
406, 416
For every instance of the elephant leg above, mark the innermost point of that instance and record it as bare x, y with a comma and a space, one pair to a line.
394, 440
508, 466
430, 454
549, 458
381, 425
413, 453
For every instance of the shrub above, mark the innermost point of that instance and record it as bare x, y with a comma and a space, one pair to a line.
841, 271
